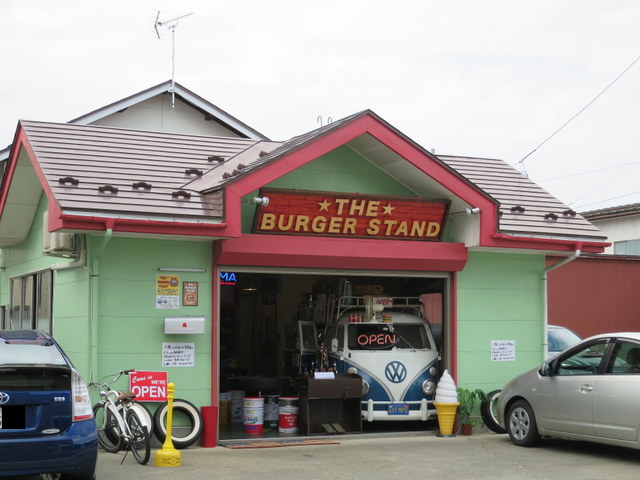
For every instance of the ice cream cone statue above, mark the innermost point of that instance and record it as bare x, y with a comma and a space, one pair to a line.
446, 403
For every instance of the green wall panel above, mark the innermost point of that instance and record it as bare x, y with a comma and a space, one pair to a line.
131, 328
499, 297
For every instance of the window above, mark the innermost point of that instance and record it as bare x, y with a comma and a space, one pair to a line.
31, 303
627, 247
585, 361
625, 358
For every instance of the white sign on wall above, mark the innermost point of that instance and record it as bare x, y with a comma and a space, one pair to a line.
178, 354
503, 350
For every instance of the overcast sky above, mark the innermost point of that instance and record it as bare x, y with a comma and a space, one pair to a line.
462, 77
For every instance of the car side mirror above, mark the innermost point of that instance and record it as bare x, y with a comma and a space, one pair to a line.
334, 345
545, 369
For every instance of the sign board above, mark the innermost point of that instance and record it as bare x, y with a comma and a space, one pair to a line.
178, 354
300, 212
190, 294
149, 386
167, 291
503, 350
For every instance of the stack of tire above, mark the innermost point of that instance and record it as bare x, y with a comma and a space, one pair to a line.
157, 424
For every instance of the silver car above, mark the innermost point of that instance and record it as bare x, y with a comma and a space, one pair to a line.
589, 392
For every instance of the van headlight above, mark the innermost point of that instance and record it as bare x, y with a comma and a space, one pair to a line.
428, 387
365, 387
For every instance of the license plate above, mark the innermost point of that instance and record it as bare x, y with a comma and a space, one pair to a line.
398, 409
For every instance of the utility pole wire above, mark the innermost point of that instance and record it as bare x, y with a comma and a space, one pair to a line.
521, 162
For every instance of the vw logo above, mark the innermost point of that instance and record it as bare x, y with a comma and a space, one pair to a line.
395, 372
4, 398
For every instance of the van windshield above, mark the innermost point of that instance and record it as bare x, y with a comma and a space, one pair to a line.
384, 337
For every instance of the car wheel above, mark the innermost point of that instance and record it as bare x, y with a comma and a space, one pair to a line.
521, 424
488, 410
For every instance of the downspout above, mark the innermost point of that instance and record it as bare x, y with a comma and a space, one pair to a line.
93, 297
545, 294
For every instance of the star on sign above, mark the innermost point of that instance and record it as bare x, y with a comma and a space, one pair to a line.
388, 210
324, 205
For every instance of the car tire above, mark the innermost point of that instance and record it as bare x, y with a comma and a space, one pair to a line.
521, 424
190, 411
489, 412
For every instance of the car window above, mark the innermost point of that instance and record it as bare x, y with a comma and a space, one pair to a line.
625, 358
561, 338
584, 361
30, 354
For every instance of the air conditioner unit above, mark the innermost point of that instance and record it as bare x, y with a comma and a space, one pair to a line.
56, 243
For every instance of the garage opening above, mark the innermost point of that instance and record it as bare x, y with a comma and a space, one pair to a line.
262, 314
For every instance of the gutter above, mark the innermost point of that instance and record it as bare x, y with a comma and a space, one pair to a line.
140, 222
545, 294
550, 241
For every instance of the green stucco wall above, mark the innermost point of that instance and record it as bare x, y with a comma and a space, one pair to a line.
499, 297
70, 327
130, 329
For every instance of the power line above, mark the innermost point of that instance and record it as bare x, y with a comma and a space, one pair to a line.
581, 207
521, 162
588, 172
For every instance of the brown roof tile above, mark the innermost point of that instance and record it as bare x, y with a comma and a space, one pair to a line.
78, 160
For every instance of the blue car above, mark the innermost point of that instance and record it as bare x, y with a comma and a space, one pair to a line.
46, 419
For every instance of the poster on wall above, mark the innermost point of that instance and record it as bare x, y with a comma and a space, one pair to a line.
178, 354
167, 291
503, 350
190, 294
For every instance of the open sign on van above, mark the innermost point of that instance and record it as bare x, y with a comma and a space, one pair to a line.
374, 337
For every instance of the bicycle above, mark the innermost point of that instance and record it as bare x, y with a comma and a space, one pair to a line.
119, 424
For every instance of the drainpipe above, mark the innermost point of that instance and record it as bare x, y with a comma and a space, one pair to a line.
545, 294
93, 297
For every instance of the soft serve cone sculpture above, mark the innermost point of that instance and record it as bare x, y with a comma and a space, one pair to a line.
446, 403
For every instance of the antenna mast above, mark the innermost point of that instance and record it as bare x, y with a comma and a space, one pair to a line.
170, 25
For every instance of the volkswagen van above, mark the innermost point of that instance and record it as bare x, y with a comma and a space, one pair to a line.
390, 345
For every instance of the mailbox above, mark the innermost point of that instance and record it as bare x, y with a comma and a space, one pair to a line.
178, 325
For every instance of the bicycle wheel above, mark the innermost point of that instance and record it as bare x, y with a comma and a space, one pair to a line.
186, 426
140, 443
143, 413
109, 434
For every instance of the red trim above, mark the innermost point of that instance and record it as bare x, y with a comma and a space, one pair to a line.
20, 142
341, 253
454, 327
215, 339
366, 124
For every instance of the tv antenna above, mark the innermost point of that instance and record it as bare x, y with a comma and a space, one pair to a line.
170, 25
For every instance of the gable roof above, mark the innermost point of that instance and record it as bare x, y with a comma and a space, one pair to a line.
525, 207
182, 178
613, 212
208, 109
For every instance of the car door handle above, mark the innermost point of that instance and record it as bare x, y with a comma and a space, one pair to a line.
586, 388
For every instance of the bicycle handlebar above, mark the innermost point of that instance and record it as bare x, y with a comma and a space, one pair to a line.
117, 377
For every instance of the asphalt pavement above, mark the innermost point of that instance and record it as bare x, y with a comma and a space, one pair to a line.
411, 455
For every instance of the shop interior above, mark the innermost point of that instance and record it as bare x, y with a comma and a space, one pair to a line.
259, 331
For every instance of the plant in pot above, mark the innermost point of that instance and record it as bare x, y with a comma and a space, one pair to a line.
468, 400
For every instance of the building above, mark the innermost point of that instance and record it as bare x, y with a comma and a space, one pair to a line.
597, 293
193, 253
